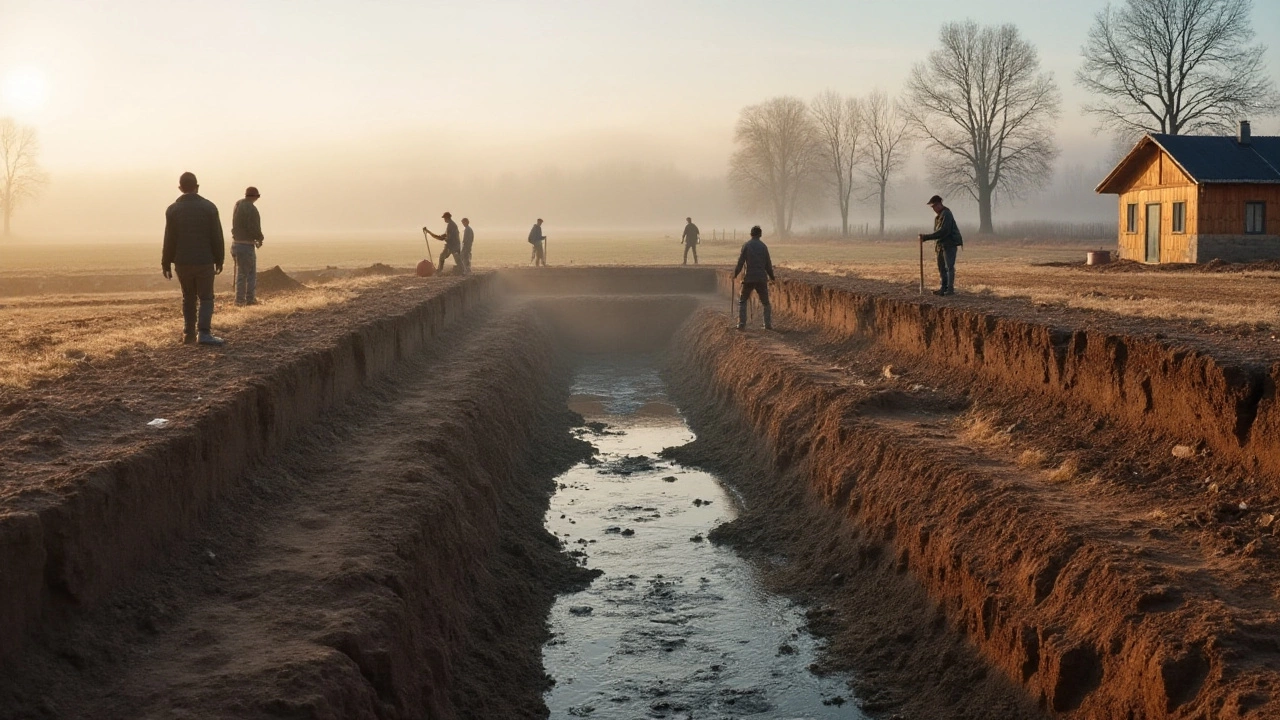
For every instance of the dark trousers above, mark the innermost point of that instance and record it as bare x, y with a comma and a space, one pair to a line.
539, 254
761, 289
457, 257
946, 265
694, 248
197, 285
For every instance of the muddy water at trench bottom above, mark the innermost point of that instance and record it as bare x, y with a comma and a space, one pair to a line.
675, 627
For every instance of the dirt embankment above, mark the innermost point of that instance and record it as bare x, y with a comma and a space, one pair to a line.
1093, 608
69, 539
1224, 402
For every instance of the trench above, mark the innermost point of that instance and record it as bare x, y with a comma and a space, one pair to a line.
673, 625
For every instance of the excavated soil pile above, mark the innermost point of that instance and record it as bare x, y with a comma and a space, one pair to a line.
276, 282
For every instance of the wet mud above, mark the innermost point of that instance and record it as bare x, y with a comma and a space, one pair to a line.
675, 626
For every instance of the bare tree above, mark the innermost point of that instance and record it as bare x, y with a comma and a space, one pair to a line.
775, 164
1175, 66
888, 139
840, 128
982, 102
20, 176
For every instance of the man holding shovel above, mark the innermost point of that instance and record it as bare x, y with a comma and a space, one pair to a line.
755, 258
452, 243
947, 236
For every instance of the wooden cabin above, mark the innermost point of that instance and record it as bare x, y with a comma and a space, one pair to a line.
1194, 198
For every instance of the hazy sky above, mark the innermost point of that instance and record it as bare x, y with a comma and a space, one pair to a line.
372, 102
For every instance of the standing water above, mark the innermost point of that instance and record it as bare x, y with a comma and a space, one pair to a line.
675, 627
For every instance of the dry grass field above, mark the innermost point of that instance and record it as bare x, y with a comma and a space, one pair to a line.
43, 336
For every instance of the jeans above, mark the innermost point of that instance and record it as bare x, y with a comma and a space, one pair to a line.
761, 290
466, 257
245, 256
694, 248
946, 265
197, 284
539, 254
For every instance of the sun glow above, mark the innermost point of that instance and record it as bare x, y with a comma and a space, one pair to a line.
23, 90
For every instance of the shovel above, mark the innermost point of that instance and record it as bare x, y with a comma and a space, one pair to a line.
426, 268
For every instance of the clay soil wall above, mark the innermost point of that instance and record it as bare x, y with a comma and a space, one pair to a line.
1187, 395
1081, 624
68, 552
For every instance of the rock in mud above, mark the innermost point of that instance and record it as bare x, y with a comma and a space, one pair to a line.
629, 465
581, 610
628, 532
1183, 451
669, 478
696, 538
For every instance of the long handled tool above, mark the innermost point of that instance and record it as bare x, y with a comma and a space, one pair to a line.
921, 267
733, 287
427, 268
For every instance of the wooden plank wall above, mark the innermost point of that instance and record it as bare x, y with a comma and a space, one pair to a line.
1222, 208
1158, 180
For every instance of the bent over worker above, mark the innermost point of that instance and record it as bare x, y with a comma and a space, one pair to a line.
947, 236
690, 240
452, 243
755, 257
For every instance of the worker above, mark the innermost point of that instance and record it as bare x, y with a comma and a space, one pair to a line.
690, 240
452, 243
755, 257
536, 238
193, 242
246, 238
468, 238
947, 236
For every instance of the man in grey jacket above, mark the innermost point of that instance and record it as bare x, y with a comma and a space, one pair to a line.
755, 257
468, 239
246, 238
452, 243
193, 243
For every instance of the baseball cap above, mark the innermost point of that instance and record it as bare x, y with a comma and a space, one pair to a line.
934, 199
251, 192
447, 214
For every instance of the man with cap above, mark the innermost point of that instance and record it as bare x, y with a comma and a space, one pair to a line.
246, 237
690, 240
193, 243
536, 238
468, 239
947, 236
452, 243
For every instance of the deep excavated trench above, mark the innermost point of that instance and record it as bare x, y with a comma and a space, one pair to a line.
369, 534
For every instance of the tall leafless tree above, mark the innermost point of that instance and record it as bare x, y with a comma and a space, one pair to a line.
20, 175
776, 162
840, 128
987, 110
888, 140
1175, 66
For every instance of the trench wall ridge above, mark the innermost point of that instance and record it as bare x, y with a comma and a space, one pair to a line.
123, 513
1185, 394
1067, 617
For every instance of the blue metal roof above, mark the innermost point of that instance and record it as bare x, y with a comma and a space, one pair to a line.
1217, 159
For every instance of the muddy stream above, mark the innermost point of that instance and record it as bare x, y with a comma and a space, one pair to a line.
674, 627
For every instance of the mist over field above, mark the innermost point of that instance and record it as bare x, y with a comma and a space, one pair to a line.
612, 117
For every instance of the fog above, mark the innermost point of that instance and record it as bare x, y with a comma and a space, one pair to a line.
595, 116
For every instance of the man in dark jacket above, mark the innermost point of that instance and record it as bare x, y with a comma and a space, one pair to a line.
468, 239
755, 257
193, 242
690, 240
246, 238
947, 236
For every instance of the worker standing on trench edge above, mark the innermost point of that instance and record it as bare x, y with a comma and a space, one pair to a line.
468, 239
947, 236
755, 257
452, 243
193, 242
246, 238
690, 240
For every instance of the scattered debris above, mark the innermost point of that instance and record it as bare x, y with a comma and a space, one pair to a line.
699, 502
891, 372
580, 610
1183, 451
158, 423
1266, 520
628, 532
669, 478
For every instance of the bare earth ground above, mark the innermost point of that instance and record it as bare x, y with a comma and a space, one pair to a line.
81, 376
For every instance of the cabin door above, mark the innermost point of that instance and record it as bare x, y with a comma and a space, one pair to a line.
1153, 233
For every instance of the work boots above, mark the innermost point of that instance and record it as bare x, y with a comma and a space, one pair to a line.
207, 338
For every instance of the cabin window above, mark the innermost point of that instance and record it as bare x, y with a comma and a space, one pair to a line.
1255, 218
1131, 218
1179, 217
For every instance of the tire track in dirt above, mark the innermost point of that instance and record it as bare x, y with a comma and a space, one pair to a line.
381, 565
